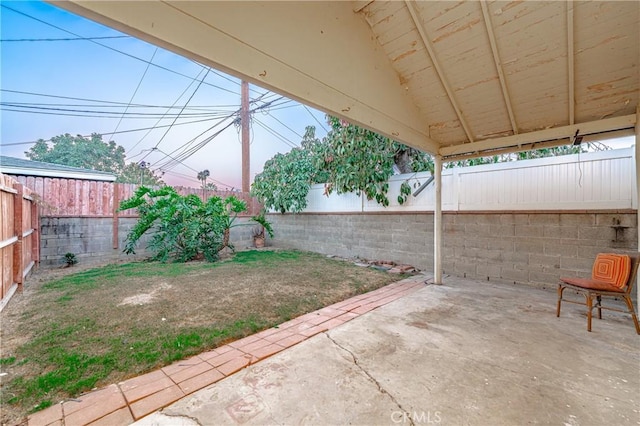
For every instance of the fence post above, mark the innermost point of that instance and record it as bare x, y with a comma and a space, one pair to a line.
116, 206
35, 225
18, 261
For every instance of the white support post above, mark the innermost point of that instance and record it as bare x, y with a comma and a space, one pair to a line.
437, 222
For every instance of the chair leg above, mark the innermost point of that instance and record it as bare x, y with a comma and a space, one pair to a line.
632, 311
560, 290
589, 310
599, 306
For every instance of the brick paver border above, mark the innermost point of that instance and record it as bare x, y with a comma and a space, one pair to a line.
128, 401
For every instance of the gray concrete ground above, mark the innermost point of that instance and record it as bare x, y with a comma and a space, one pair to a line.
464, 353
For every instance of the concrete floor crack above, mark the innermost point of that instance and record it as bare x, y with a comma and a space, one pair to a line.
181, 416
373, 379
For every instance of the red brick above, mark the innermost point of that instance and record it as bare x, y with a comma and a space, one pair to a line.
280, 335
244, 341
142, 389
182, 375
200, 381
268, 332
93, 406
122, 417
332, 323
292, 340
331, 312
255, 345
290, 323
181, 365
141, 380
318, 319
364, 309
234, 365
46, 416
156, 401
312, 331
267, 351
348, 316
352, 305
225, 357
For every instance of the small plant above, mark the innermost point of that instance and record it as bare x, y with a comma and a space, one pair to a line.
70, 259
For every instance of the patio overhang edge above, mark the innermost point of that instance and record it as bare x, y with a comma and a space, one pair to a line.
555, 136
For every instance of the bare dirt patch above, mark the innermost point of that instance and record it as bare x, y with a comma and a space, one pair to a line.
67, 334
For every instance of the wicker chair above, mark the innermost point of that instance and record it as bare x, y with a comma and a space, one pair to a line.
596, 289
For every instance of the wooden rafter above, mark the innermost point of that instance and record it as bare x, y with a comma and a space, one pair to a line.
570, 62
498, 62
441, 75
593, 127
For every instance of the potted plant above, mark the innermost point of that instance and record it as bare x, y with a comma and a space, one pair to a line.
258, 231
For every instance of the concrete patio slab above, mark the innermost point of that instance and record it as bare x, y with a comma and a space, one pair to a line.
457, 354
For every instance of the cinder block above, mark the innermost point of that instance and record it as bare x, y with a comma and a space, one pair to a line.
529, 231
517, 275
544, 219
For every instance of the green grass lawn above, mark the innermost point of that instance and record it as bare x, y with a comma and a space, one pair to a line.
103, 325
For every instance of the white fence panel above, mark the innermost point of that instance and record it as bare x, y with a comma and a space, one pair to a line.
600, 180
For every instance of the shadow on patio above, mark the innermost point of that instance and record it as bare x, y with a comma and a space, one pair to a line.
465, 352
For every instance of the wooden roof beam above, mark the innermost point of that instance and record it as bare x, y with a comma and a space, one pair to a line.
481, 148
498, 62
432, 54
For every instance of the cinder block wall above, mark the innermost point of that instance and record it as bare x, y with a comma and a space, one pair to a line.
521, 248
91, 239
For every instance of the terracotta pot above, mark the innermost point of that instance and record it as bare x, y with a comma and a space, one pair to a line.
258, 242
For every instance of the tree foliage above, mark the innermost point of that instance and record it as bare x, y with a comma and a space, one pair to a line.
183, 228
348, 159
134, 173
78, 151
284, 183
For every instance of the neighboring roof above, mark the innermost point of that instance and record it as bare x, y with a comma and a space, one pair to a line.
466, 78
21, 167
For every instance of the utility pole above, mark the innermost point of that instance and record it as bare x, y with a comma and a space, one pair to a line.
244, 120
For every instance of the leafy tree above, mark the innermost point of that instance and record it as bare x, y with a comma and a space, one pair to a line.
349, 159
183, 227
135, 173
284, 183
359, 160
78, 151
210, 186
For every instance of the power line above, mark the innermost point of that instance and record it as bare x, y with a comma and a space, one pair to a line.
111, 48
168, 109
186, 103
276, 134
137, 87
119, 132
100, 114
112, 103
276, 118
314, 117
191, 168
12, 40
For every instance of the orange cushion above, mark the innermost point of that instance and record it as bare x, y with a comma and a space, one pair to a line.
612, 269
590, 284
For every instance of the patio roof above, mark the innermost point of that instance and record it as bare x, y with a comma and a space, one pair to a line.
450, 78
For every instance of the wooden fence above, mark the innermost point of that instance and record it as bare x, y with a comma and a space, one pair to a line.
82, 198
19, 236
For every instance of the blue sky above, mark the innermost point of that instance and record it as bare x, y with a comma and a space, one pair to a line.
86, 70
